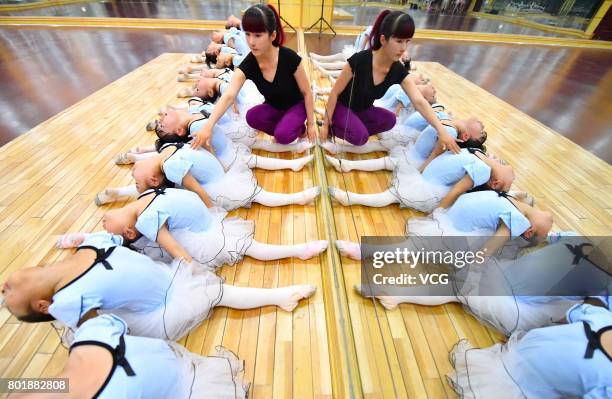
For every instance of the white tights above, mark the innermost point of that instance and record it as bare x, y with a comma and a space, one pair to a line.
377, 200
249, 298
263, 197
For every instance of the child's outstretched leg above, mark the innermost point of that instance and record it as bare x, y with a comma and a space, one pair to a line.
304, 251
391, 302
369, 146
256, 161
135, 154
113, 194
328, 58
281, 199
286, 298
267, 145
377, 200
367, 165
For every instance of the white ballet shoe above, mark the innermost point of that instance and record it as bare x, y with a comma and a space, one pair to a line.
341, 165
151, 126
185, 92
196, 59
349, 249
301, 292
330, 147
70, 240
301, 162
313, 248
182, 78
523, 196
303, 145
339, 195
309, 195
105, 197
125, 158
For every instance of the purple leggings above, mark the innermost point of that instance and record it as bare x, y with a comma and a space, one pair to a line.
285, 126
356, 126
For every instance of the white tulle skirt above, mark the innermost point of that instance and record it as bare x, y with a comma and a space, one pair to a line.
438, 224
399, 135
225, 242
236, 189
238, 131
219, 376
480, 373
408, 154
190, 298
506, 312
235, 153
413, 191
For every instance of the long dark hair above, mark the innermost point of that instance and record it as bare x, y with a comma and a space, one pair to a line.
391, 24
263, 18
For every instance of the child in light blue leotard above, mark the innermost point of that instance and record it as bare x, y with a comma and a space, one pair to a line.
564, 361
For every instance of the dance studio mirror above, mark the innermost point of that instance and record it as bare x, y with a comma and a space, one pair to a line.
536, 18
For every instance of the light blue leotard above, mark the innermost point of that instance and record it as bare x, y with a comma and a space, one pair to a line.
180, 209
142, 367
119, 279
201, 164
560, 361
483, 210
427, 140
448, 168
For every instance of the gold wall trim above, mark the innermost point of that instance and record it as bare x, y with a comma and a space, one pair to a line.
530, 24
146, 23
492, 37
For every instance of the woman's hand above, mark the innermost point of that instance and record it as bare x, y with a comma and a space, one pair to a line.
448, 142
203, 138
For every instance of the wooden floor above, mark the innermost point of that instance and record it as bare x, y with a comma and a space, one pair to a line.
336, 344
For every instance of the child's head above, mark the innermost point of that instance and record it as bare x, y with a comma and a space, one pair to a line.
232, 22
26, 298
429, 92
541, 223
217, 36
147, 174
474, 136
502, 177
213, 49
207, 89
392, 32
225, 60
262, 28
172, 126
122, 221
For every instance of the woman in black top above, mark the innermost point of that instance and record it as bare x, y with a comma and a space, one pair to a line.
367, 76
279, 77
